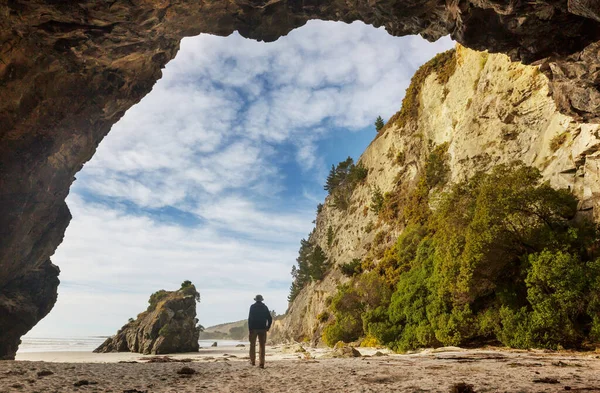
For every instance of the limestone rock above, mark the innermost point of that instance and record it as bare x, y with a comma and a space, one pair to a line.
168, 326
343, 351
490, 111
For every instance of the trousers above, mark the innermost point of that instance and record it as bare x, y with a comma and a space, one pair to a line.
261, 334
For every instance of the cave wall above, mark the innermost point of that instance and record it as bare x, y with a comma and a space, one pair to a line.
70, 70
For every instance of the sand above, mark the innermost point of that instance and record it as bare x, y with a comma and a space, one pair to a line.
226, 369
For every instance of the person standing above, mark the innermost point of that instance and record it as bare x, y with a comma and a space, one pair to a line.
259, 323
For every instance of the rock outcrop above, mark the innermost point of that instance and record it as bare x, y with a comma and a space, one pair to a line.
168, 326
489, 111
70, 70
23, 302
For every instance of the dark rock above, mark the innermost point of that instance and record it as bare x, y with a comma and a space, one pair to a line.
84, 382
169, 327
462, 387
70, 70
186, 371
44, 373
214, 344
240, 345
23, 302
552, 381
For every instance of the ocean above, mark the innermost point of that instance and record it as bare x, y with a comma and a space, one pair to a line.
88, 344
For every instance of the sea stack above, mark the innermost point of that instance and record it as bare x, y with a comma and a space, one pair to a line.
167, 326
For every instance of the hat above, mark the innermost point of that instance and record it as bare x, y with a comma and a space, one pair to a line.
258, 298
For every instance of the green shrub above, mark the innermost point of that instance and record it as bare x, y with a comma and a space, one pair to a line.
323, 317
155, 298
189, 289
500, 260
352, 268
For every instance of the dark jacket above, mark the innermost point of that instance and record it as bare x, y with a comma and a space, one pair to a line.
259, 317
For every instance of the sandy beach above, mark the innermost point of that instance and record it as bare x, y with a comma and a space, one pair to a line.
226, 369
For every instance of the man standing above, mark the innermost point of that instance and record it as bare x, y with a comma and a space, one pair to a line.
259, 323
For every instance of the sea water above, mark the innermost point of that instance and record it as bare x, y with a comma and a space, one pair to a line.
60, 344
88, 344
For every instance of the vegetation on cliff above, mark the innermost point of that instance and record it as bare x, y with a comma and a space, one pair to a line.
342, 180
444, 65
499, 260
311, 266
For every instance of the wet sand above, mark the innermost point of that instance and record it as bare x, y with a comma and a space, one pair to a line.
226, 369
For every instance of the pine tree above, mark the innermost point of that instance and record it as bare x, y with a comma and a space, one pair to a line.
318, 263
330, 236
331, 181
379, 123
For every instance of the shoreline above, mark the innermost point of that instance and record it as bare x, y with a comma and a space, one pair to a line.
226, 369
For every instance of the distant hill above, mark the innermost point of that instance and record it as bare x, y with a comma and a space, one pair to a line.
237, 330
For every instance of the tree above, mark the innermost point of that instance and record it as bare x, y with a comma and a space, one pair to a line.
376, 200
330, 236
332, 180
312, 264
379, 123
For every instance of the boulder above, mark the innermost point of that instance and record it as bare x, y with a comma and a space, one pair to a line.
167, 326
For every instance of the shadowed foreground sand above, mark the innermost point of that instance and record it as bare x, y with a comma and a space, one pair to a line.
227, 370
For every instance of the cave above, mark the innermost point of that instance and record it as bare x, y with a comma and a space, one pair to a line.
69, 71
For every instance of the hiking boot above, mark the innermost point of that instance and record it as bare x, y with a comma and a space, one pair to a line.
251, 363
261, 365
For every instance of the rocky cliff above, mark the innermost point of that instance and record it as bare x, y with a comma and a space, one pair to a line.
70, 70
167, 326
486, 110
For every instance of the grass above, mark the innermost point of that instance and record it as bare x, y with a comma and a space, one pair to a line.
558, 141
444, 65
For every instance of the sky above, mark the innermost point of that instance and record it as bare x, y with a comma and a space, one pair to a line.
215, 175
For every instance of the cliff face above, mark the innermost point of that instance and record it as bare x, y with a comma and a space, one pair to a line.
69, 71
168, 326
489, 111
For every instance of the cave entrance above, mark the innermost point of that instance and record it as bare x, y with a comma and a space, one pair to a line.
215, 175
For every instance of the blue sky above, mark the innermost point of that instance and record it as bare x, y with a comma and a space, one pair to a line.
215, 175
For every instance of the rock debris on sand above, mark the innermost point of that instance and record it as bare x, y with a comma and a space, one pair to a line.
427, 371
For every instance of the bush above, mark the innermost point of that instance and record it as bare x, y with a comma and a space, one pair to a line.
323, 317
155, 298
190, 290
352, 268
557, 141
500, 260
